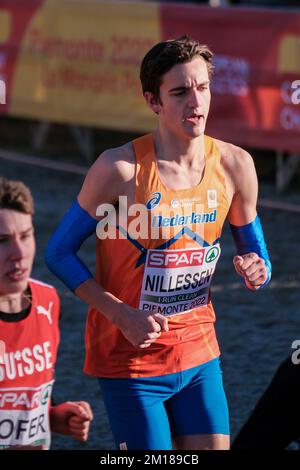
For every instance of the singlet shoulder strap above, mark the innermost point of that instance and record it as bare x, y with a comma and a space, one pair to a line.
143, 148
146, 172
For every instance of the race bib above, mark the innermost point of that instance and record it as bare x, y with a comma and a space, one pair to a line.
178, 281
24, 416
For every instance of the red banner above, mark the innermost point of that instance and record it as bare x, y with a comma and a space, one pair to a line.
256, 59
14, 19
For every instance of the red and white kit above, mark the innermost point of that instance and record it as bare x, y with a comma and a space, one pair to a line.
27, 358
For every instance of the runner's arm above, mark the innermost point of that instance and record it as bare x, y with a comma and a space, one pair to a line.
100, 186
253, 262
142, 329
105, 181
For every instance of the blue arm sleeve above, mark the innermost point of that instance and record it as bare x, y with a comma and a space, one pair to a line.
250, 238
76, 226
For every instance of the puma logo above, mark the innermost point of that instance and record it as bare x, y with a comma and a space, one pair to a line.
43, 311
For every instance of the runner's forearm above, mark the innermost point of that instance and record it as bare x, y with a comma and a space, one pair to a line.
97, 297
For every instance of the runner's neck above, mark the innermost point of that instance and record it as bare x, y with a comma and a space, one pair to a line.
168, 148
15, 303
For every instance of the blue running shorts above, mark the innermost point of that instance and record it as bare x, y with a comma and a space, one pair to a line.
145, 413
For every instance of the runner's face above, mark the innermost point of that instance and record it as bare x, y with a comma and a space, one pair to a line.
185, 98
17, 250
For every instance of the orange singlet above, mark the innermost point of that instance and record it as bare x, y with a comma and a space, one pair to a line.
167, 269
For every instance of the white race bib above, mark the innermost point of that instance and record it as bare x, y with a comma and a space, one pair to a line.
178, 281
24, 416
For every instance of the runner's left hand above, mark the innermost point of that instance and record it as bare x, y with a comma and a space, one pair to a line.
252, 268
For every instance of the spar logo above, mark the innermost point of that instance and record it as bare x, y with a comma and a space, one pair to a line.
46, 394
25, 398
212, 254
153, 201
175, 258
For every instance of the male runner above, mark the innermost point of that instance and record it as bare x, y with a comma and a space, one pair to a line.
150, 334
29, 337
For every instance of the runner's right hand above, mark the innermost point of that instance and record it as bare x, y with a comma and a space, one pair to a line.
141, 328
